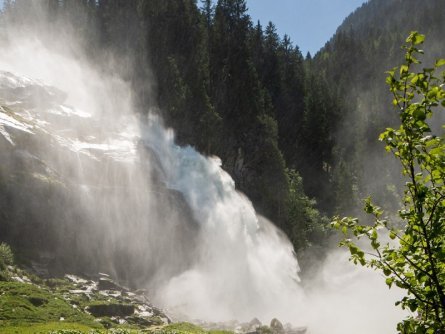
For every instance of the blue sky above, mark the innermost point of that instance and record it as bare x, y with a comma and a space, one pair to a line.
309, 23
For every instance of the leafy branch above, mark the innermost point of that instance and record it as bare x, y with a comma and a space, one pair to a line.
415, 260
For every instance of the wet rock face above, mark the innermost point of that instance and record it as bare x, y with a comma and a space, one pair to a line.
106, 283
108, 298
110, 310
117, 305
29, 93
276, 326
81, 192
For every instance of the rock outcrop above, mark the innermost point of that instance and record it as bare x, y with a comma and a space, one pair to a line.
82, 192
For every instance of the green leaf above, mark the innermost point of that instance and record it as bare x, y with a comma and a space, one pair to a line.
419, 115
353, 249
403, 69
390, 80
415, 38
437, 151
375, 244
419, 38
440, 62
413, 305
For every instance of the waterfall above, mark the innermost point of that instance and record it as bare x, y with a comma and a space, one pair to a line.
106, 189
244, 266
215, 259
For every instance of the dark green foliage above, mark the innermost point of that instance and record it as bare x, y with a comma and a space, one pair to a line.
6, 256
257, 83
176, 36
17, 306
316, 140
305, 225
6, 259
110, 309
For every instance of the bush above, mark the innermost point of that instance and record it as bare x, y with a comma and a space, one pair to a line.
6, 256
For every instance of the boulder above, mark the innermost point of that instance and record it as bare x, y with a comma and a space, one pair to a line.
255, 323
37, 301
106, 283
144, 321
110, 310
276, 326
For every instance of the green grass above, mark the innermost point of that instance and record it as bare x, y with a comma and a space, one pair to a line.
63, 328
33, 309
29, 304
74, 328
44, 328
183, 328
186, 328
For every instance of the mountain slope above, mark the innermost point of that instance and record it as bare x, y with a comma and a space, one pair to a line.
354, 62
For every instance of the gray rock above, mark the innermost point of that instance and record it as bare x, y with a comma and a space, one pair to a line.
144, 321
109, 310
276, 326
106, 283
289, 329
37, 301
255, 323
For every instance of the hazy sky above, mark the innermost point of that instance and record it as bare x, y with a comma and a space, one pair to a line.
309, 23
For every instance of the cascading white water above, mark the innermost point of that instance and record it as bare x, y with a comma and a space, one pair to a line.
222, 263
241, 261
238, 264
244, 264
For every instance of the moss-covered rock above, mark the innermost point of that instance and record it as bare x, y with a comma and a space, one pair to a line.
22, 303
111, 309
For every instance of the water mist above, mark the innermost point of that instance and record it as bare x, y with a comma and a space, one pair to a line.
163, 216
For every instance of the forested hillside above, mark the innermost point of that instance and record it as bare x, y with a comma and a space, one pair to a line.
296, 134
354, 62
